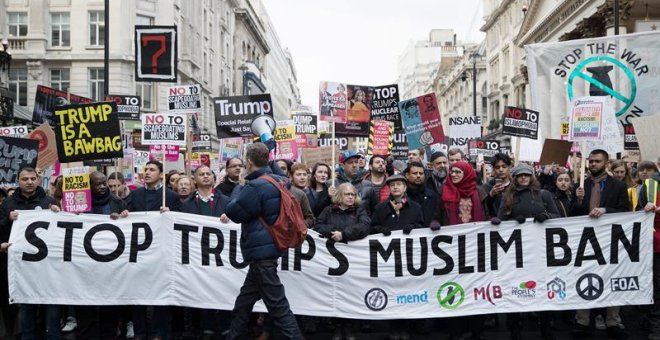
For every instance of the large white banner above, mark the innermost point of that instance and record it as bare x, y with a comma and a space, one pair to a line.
191, 260
623, 67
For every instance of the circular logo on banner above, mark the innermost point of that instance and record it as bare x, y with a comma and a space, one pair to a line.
375, 299
599, 80
590, 286
447, 295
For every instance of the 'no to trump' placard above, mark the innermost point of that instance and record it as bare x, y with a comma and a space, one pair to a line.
164, 129
87, 132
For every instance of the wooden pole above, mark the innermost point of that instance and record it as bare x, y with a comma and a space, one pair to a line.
332, 171
116, 172
583, 148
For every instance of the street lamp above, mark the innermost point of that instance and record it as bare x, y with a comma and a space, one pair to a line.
473, 56
5, 57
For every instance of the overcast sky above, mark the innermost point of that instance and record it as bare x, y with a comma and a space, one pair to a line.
359, 41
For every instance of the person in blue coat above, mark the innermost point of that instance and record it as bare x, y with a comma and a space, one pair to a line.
257, 200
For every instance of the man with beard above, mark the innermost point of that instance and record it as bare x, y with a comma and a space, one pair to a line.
602, 194
424, 196
28, 196
100, 322
439, 174
233, 168
377, 176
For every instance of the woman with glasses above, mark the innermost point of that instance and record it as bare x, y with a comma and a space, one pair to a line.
343, 221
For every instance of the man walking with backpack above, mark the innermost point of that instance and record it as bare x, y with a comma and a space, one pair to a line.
257, 207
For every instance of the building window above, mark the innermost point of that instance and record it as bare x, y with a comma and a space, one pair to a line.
96, 83
60, 79
18, 85
60, 30
145, 91
96, 28
18, 23
144, 20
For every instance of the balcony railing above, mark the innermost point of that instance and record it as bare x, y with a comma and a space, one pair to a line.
16, 44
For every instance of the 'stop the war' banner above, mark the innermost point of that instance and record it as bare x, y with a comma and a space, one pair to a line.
45, 101
234, 115
617, 66
87, 132
421, 120
475, 268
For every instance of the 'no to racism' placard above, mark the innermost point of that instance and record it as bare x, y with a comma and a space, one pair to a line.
164, 129
88, 131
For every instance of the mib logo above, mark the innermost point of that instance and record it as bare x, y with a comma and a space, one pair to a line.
488, 293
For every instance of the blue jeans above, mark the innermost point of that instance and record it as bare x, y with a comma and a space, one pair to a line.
28, 316
262, 283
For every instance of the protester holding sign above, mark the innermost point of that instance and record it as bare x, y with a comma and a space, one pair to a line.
28, 196
601, 194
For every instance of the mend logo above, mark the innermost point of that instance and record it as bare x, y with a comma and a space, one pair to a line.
624, 284
488, 293
406, 299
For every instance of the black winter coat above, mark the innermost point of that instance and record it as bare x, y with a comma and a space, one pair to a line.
142, 199
429, 202
564, 203
18, 202
191, 205
352, 222
530, 203
613, 197
385, 219
318, 200
226, 187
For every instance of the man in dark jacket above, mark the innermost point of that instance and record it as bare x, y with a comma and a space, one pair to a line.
601, 194
100, 322
502, 164
257, 200
439, 174
233, 168
349, 172
28, 196
208, 202
423, 195
399, 212
150, 198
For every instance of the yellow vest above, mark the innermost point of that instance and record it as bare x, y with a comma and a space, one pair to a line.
632, 198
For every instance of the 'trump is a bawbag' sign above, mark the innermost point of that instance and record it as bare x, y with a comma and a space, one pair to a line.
172, 259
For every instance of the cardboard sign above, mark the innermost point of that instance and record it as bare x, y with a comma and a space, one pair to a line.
156, 53
521, 122
358, 112
646, 129
201, 143
231, 148
183, 99
45, 101
128, 107
421, 120
306, 123
462, 130
332, 102
234, 115
486, 148
87, 131
611, 136
171, 152
285, 136
385, 105
381, 138
586, 120
16, 153
164, 129
76, 191
14, 131
45, 135
322, 154
555, 151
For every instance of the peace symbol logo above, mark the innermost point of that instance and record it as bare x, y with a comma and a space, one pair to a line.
600, 81
451, 295
590, 286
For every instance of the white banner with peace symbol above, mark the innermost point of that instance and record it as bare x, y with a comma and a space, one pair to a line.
623, 67
478, 268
